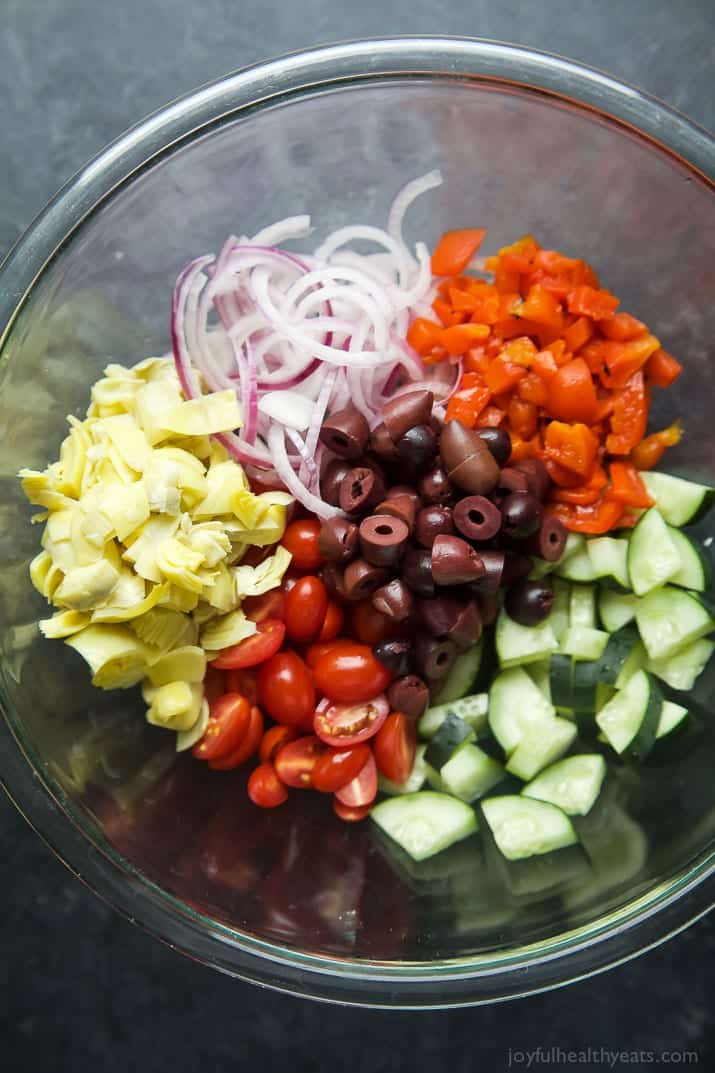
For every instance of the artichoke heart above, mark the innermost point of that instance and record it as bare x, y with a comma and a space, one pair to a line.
86, 587
116, 656
217, 412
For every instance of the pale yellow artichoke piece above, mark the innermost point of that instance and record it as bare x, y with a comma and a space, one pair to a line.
180, 564
144, 547
117, 658
191, 480
164, 628
187, 664
161, 485
41, 490
127, 508
85, 551
216, 412
59, 525
115, 392
226, 631
39, 570
176, 706
224, 480
221, 594
86, 587
127, 437
186, 739
210, 541
153, 400
64, 624
73, 458
255, 580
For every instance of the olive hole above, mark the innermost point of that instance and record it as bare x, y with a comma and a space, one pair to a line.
476, 517
383, 530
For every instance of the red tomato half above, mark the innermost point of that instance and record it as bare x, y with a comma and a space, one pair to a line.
228, 723
395, 746
265, 788
256, 649
317, 650
269, 605
342, 725
306, 605
348, 814
248, 746
274, 739
285, 687
337, 767
363, 789
242, 680
215, 685
332, 623
301, 540
296, 761
369, 625
350, 674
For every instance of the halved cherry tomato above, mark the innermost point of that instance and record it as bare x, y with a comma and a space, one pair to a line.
342, 725
274, 739
395, 746
243, 680
285, 687
229, 717
295, 762
316, 651
305, 609
369, 625
337, 767
255, 649
351, 674
332, 623
215, 684
265, 788
348, 814
363, 788
270, 605
301, 540
248, 746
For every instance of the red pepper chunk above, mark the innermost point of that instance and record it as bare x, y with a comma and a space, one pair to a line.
589, 302
629, 417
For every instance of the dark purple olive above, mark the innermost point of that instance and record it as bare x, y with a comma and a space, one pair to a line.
406, 411
402, 507
477, 518
338, 540
395, 655
345, 433
332, 479
416, 571
433, 657
361, 489
516, 567
529, 602
394, 600
382, 444
550, 541
435, 486
432, 522
467, 459
510, 480
521, 514
361, 578
408, 695
537, 476
498, 441
494, 568
383, 539
455, 562
417, 448
332, 575
488, 605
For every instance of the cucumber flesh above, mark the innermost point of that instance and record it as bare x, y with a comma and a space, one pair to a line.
634, 662
652, 555
515, 703
541, 744
414, 781
582, 606
616, 609
680, 502
681, 670
577, 567
694, 571
584, 643
619, 647
524, 827
470, 773
471, 710
630, 719
669, 619
671, 716
451, 734
572, 784
424, 823
560, 680
559, 617
609, 559
518, 644
539, 674
460, 680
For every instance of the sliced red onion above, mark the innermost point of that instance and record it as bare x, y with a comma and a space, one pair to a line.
404, 199
276, 443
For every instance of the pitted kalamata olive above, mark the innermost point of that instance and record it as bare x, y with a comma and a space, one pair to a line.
382, 444
406, 411
361, 579
395, 655
417, 448
477, 518
332, 479
455, 562
435, 486
345, 433
516, 567
383, 539
522, 515
510, 480
432, 522
402, 507
433, 657
493, 571
537, 476
529, 602
467, 459
361, 489
550, 541
394, 600
408, 695
498, 441
338, 540
416, 571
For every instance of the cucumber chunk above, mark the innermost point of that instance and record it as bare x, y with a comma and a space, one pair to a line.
671, 716
680, 502
523, 826
694, 571
616, 609
425, 823
669, 619
572, 784
541, 744
470, 773
518, 644
414, 781
681, 670
515, 703
609, 559
630, 719
584, 643
447, 740
619, 647
472, 710
652, 555
462, 677
582, 606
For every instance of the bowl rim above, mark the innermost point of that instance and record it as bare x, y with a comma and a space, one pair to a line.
626, 931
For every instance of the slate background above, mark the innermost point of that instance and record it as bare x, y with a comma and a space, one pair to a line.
81, 989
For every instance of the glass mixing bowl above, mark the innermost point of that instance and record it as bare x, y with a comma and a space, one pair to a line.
293, 898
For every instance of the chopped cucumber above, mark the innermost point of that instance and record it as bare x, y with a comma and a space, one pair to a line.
616, 609
414, 781
584, 643
470, 773
515, 702
609, 559
694, 571
523, 827
671, 716
634, 662
447, 740
619, 647
539, 674
518, 644
669, 619
582, 606
652, 555
560, 680
681, 670
630, 719
462, 677
584, 686
425, 823
540, 569
540, 745
472, 710
577, 566
559, 617
572, 784
680, 502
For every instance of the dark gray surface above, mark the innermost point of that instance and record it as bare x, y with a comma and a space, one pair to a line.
83, 989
